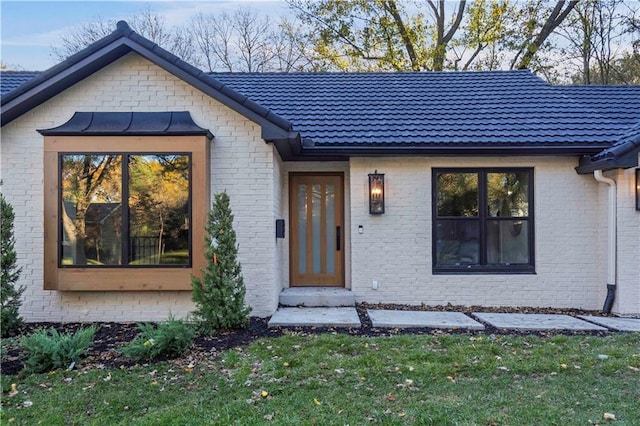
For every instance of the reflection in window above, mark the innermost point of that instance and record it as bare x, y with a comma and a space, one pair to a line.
151, 228
482, 220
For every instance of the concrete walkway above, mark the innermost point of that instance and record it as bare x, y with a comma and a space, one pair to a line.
348, 317
422, 319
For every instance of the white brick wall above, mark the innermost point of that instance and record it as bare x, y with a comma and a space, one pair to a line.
395, 248
628, 279
241, 163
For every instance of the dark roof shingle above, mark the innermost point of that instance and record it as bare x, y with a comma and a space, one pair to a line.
11, 80
373, 109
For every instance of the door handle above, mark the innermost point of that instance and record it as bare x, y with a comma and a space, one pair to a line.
338, 238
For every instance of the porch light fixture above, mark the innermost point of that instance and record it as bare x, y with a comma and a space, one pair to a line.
638, 189
376, 193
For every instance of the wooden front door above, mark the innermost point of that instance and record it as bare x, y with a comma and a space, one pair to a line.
316, 229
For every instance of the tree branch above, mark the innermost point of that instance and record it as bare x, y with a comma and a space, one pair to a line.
406, 39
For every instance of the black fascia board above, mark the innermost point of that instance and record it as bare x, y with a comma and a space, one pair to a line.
40, 90
620, 156
445, 150
589, 166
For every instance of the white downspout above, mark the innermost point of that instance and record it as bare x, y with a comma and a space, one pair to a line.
611, 241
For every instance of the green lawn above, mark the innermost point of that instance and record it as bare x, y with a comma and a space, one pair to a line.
339, 379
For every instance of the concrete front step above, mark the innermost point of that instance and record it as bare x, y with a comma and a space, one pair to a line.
315, 317
317, 297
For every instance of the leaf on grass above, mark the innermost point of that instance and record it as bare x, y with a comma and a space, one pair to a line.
14, 390
609, 416
264, 394
316, 402
391, 397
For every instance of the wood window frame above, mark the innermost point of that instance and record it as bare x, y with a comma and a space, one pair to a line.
483, 218
124, 278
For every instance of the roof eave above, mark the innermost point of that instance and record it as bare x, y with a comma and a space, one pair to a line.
451, 150
34, 93
622, 156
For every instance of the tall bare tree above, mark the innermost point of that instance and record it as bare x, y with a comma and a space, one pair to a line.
147, 23
247, 42
535, 35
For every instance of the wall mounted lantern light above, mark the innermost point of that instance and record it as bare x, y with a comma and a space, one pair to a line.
638, 189
376, 193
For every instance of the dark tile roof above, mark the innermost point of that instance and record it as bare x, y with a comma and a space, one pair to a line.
11, 80
373, 109
620, 103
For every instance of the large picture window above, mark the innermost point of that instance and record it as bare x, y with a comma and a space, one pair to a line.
125, 210
483, 220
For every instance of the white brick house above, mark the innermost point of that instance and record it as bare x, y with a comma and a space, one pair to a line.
525, 223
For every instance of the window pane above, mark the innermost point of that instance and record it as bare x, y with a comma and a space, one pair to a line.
457, 194
508, 194
316, 224
91, 209
331, 228
302, 229
457, 242
508, 242
158, 209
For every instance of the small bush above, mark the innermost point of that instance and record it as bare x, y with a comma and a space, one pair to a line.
171, 338
49, 349
219, 294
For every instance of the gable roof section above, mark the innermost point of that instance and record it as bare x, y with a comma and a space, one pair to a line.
498, 112
112, 47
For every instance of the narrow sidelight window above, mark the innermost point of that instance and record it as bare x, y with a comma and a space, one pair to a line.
483, 221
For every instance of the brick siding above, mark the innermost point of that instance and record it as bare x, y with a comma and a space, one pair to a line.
241, 163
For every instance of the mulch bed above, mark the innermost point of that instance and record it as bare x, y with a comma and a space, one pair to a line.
104, 351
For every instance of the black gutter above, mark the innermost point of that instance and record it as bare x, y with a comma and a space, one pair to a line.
369, 151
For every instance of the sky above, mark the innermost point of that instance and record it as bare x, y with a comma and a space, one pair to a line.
29, 29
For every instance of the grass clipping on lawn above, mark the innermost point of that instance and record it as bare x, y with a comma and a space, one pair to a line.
340, 379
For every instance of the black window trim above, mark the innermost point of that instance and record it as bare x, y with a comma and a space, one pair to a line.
483, 218
125, 211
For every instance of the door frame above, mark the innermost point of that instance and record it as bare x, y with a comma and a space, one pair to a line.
339, 219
